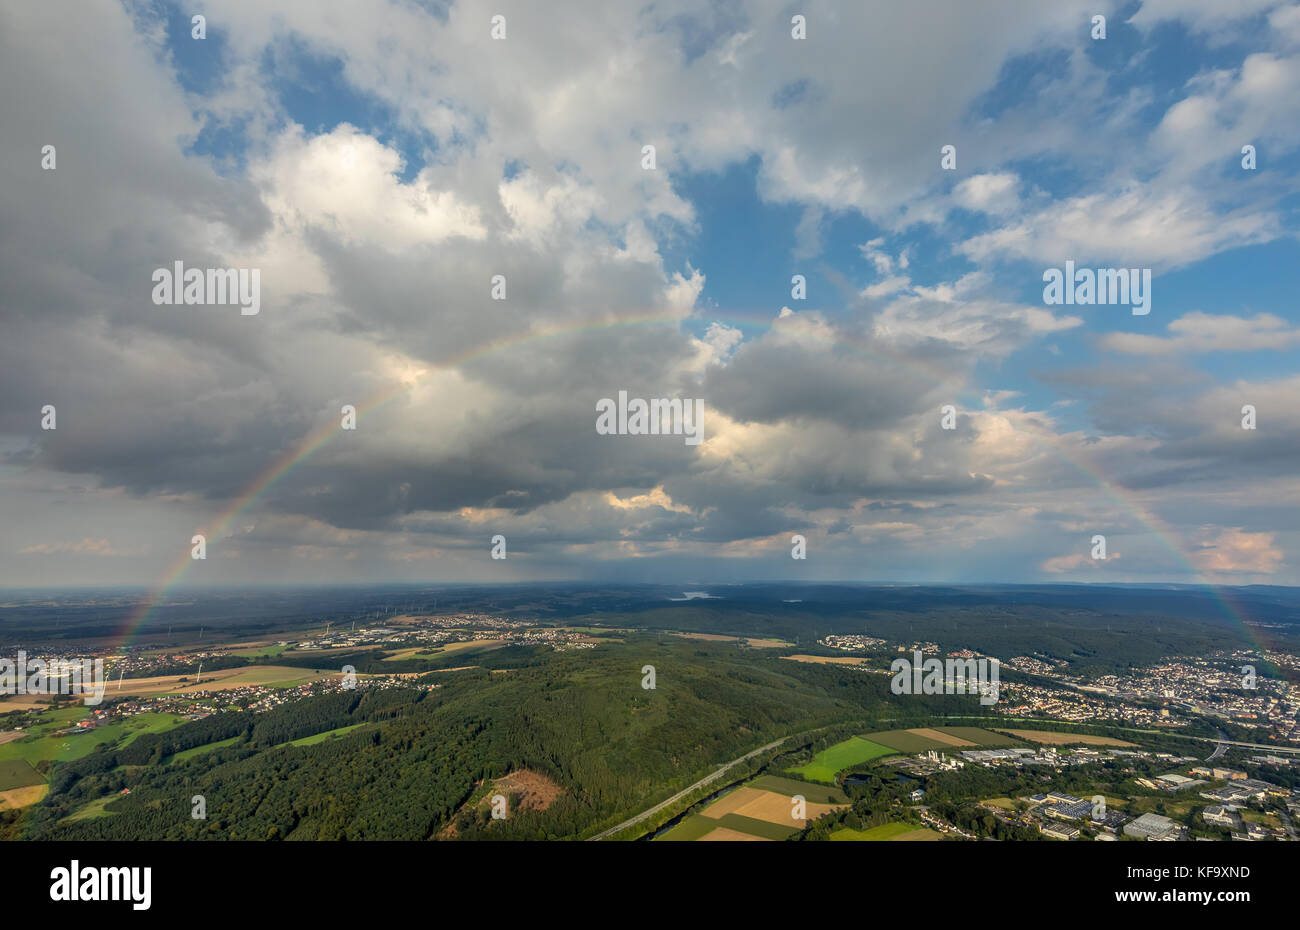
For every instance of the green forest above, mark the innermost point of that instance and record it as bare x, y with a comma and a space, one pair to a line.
582, 720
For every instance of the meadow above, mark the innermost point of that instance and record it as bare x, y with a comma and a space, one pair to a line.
834, 759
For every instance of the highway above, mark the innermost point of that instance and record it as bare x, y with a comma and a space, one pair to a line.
707, 779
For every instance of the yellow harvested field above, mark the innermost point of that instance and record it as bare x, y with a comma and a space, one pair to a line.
939, 737
469, 644
10, 735
24, 701
729, 803
764, 805
728, 835
221, 680
262, 675
827, 660
15, 798
401, 654
1058, 739
922, 835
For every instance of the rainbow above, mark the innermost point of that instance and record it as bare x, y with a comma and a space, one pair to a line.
320, 437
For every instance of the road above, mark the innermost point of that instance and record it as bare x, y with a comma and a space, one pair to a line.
685, 791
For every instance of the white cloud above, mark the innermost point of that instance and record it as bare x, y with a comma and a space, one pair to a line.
1204, 332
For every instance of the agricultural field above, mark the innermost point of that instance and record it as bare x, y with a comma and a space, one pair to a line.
1052, 738
834, 759
946, 739
15, 798
943, 739
751, 641
984, 739
44, 743
411, 652
18, 773
728, 835
267, 650
760, 810
817, 794
271, 676
890, 832
60, 748
827, 660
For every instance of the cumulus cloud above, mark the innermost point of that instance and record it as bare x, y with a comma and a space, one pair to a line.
1235, 550
380, 227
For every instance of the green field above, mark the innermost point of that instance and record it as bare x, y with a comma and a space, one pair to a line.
92, 810
903, 741
692, 828
888, 831
149, 723
742, 824
907, 742
696, 826
18, 773
52, 720
42, 744
817, 794
831, 761
60, 748
260, 652
321, 737
200, 750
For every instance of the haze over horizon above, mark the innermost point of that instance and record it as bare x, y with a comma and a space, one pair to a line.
380, 171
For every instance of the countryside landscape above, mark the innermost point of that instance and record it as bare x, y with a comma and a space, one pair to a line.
526, 454
392, 721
